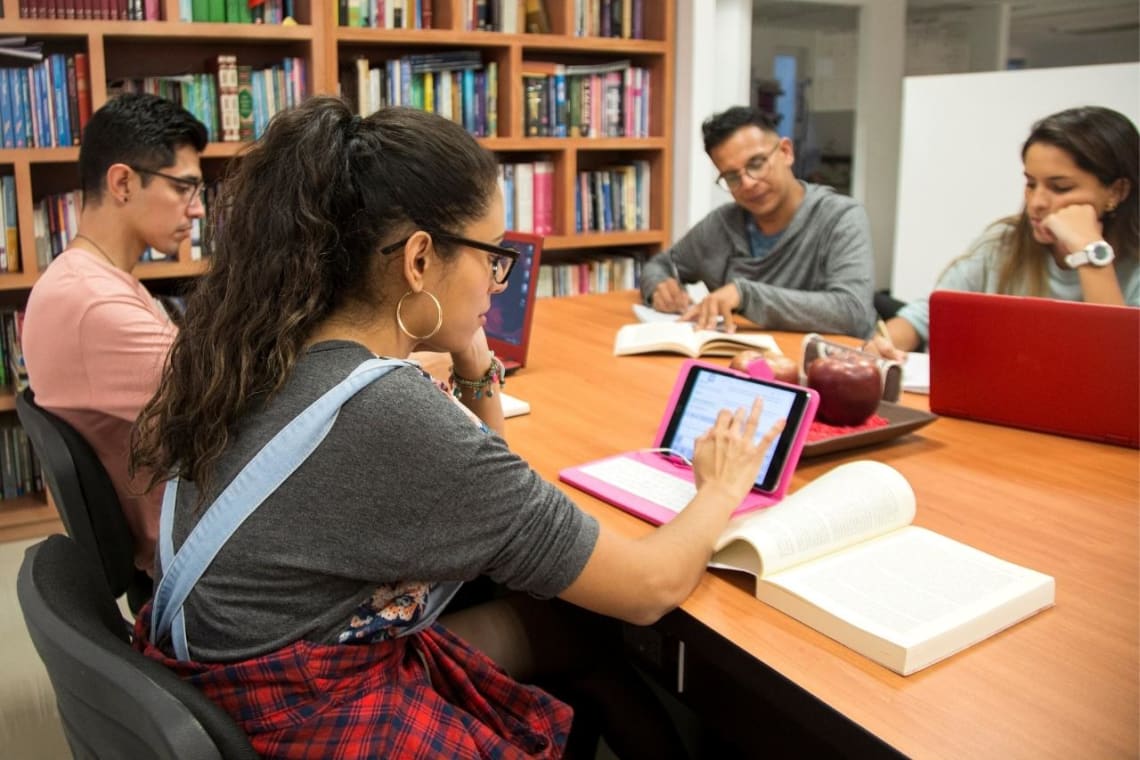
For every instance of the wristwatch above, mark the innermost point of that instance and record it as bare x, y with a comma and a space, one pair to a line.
1098, 254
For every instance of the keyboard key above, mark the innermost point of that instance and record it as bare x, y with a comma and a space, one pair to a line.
640, 479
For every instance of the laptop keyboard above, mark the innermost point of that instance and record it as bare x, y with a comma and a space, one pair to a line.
639, 479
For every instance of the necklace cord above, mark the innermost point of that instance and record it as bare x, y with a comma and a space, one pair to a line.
99, 248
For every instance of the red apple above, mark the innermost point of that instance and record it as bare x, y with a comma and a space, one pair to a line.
849, 389
743, 358
783, 369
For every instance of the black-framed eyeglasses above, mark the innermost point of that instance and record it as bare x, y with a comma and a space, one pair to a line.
502, 258
756, 168
188, 189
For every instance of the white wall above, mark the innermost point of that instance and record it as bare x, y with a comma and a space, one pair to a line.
713, 62
960, 163
878, 106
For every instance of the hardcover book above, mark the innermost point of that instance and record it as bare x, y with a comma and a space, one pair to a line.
842, 556
682, 338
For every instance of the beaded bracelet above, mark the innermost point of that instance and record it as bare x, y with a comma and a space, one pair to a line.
495, 376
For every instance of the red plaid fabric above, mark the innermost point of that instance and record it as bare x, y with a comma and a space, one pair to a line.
427, 695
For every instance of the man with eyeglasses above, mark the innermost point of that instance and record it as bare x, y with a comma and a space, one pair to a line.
94, 339
786, 254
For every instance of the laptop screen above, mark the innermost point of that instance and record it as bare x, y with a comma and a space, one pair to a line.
508, 321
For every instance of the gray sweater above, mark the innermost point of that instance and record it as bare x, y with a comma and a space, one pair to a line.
818, 277
404, 488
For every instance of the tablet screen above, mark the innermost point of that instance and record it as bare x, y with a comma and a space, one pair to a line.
708, 390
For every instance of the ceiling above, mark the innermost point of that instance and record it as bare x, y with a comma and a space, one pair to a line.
1031, 21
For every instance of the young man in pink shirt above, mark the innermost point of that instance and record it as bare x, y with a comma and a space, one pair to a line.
94, 340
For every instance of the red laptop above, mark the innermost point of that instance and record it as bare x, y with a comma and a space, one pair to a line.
508, 321
1054, 366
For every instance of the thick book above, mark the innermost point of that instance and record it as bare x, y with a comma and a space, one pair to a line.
841, 556
682, 338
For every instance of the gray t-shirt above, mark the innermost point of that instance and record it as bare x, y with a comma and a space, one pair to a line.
404, 488
818, 277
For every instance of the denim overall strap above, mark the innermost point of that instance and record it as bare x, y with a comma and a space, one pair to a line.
268, 469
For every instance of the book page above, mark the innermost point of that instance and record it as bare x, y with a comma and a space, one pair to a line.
924, 593
916, 373
682, 338
677, 337
849, 504
697, 291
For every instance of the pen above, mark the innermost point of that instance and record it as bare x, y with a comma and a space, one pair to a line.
881, 329
673, 265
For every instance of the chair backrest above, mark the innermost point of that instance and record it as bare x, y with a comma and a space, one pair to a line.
85, 497
113, 701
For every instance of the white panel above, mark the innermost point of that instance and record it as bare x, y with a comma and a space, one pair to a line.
960, 162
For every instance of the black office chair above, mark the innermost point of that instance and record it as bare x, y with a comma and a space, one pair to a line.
85, 497
113, 701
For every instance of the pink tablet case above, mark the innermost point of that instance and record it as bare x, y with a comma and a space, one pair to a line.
657, 514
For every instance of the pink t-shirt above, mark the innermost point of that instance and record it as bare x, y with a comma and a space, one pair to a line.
95, 343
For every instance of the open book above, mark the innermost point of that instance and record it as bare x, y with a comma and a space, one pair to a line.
841, 556
682, 338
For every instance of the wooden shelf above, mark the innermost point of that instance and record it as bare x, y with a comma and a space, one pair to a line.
28, 517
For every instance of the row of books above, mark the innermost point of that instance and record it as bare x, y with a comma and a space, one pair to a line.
589, 276
613, 198
453, 84
235, 11
55, 220
13, 372
19, 469
509, 16
9, 226
606, 100
47, 104
610, 18
92, 10
385, 14
528, 196
265, 90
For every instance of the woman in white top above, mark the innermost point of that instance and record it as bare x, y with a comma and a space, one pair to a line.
1076, 236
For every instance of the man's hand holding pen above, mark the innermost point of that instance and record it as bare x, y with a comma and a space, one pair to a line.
670, 297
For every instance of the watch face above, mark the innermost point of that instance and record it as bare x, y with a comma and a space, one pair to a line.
1099, 254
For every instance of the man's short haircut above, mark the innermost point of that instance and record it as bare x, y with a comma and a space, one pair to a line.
136, 129
720, 126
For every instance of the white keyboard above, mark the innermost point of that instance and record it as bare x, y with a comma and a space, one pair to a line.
639, 479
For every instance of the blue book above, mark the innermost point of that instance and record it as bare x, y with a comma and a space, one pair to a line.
560, 116
7, 112
21, 120
509, 195
480, 105
260, 118
469, 100
43, 139
59, 99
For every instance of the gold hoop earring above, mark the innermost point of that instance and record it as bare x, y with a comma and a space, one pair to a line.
438, 318
1110, 207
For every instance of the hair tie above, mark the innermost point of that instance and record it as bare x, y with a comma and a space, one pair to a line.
352, 126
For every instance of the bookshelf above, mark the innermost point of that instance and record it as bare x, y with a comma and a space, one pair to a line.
120, 49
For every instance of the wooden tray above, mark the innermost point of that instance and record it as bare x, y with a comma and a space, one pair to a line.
900, 421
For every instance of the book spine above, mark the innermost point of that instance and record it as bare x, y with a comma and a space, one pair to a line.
7, 111
11, 222
72, 101
82, 91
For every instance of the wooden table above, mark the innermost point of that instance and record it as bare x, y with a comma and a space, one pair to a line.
1062, 684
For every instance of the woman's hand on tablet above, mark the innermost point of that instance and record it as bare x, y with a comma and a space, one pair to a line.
725, 456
